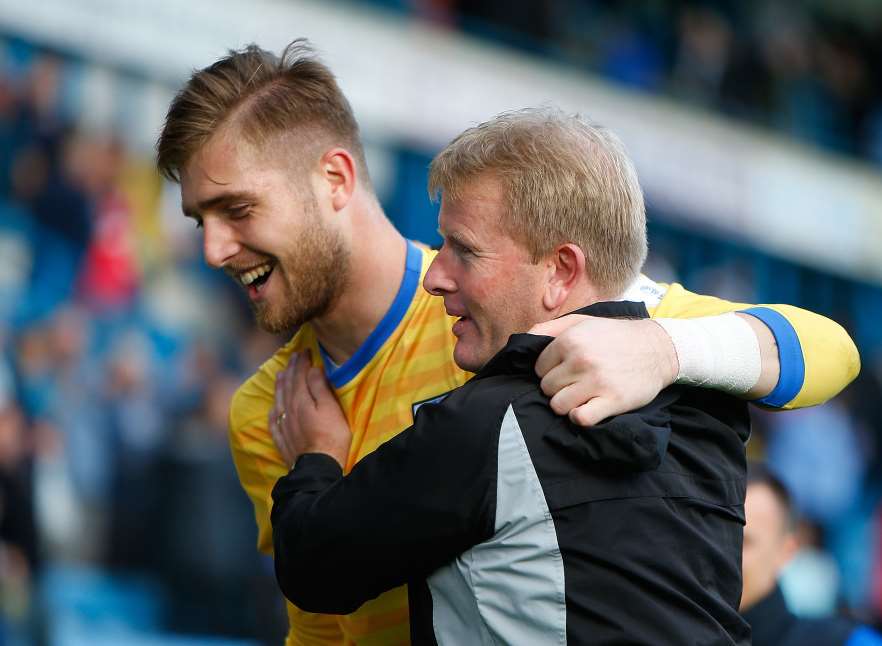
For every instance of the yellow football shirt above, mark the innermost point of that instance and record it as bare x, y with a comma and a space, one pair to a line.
408, 359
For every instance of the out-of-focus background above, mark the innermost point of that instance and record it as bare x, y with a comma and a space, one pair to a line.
757, 129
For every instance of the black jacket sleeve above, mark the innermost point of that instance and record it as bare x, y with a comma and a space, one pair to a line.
414, 504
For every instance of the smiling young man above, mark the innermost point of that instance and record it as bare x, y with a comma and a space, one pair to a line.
509, 523
271, 166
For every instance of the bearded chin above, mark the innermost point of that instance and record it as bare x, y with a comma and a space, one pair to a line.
272, 321
287, 316
311, 280
283, 319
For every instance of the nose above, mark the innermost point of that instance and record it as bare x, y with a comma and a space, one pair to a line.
438, 280
219, 244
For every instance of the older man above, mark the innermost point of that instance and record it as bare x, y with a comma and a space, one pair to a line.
510, 524
272, 168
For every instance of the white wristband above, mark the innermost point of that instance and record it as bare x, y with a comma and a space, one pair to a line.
719, 352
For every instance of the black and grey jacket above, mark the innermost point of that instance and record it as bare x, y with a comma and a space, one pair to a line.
513, 526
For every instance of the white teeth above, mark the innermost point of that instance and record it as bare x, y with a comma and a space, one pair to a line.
248, 277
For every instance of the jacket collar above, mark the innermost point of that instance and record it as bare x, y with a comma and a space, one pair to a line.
520, 353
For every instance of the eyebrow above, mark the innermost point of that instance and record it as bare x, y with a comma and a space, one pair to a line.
224, 199
456, 238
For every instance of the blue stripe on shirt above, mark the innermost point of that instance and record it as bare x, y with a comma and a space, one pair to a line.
341, 375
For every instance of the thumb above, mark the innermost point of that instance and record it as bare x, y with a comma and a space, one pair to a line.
558, 325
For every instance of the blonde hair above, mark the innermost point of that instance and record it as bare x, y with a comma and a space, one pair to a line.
565, 180
266, 97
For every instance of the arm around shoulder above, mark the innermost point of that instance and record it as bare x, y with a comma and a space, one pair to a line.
816, 358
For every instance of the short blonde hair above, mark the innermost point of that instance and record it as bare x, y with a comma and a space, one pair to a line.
267, 97
565, 180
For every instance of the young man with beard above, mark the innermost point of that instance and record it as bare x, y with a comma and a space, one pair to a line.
271, 166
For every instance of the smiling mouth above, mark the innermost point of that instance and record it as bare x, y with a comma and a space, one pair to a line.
256, 277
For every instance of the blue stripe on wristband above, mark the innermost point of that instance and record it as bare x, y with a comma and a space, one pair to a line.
790, 357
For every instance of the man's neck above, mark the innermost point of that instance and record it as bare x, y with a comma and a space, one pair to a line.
377, 261
582, 295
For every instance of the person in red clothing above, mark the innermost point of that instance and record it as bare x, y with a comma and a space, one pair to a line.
110, 274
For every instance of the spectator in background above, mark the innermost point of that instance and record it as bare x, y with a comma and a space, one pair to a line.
80, 457
818, 455
705, 41
769, 544
82, 416
20, 561
803, 68
110, 276
137, 430
211, 577
17, 531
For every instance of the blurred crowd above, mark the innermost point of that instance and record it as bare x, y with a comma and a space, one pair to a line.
119, 505
809, 69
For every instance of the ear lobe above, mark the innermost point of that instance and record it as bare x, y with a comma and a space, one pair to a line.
338, 169
553, 296
566, 267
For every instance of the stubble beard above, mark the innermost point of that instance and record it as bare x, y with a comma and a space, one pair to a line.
313, 278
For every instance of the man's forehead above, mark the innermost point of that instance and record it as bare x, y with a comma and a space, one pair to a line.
213, 162
478, 206
227, 147
226, 160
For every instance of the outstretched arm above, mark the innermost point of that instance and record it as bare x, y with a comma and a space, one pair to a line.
778, 355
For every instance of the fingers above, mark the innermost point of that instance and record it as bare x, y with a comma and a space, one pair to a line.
286, 403
318, 387
551, 357
280, 439
279, 404
558, 325
594, 412
566, 346
279, 399
297, 382
568, 398
556, 380
284, 386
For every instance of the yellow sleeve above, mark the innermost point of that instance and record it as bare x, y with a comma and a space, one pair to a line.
818, 358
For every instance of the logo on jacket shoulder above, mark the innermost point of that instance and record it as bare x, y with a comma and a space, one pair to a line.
437, 399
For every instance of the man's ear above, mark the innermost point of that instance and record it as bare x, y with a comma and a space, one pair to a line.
565, 270
339, 173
